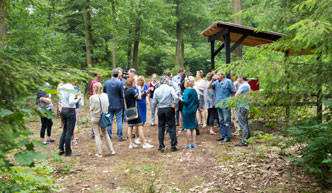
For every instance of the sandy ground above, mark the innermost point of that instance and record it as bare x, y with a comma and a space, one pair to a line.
211, 167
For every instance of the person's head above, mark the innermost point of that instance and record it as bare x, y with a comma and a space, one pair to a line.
97, 76
181, 71
164, 80
241, 79
120, 72
199, 74
130, 83
209, 76
189, 82
231, 76
97, 88
154, 77
132, 72
168, 74
140, 81
189, 74
220, 75
115, 73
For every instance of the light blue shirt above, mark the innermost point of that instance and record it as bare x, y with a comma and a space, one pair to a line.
177, 79
244, 88
164, 96
67, 99
223, 90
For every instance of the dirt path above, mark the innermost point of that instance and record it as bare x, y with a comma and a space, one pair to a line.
212, 167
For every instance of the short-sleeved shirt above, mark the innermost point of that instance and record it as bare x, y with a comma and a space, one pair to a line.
130, 96
223, 90
244, 88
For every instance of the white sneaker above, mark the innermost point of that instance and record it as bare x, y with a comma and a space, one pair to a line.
98, 155
132, 146
147, 146
138, 141
204, 125
113, 153
147, 140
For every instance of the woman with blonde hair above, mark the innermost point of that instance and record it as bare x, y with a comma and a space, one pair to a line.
98, 104
131, 97
189, 100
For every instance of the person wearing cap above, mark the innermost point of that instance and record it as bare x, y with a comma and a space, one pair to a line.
68, 105
165, 98
224, 89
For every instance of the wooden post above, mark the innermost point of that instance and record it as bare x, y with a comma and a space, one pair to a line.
227, 39
212, 56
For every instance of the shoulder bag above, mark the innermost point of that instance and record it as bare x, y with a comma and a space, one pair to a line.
104, 118
131, 112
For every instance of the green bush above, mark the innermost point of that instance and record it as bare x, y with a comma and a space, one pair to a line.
315, 149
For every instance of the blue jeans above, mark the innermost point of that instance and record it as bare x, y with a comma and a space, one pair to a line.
225, 122
118, 114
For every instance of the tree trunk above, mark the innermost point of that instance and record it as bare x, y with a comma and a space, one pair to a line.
137, 37
178, 35
129, 52
3, 23
114, 34
182, 53
88, 33
237, 7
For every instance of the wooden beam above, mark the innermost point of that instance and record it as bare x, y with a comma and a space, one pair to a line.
227, 42
218, 50
250, 32
212, 55
238, 42
217, 35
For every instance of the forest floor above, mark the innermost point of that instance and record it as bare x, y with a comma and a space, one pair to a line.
211, 167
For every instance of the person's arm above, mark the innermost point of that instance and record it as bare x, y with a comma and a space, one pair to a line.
139, 97
73, 99
45, 100
174, 95
232, 87
93, 105
212, 84
185, 99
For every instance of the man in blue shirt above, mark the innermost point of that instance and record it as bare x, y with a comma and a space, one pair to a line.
114, 90
242, 111
224, 89
177, 79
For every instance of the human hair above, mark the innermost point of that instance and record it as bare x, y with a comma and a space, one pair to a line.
154, 74
189, 74
118, 68
141, 78
115, 72
209, 76
167, 73
164, 79
201, 73
181, 70
129, 83
97, 88
190, 81
132, 70
95, 74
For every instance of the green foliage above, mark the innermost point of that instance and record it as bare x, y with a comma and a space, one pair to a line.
314, 142
23, 179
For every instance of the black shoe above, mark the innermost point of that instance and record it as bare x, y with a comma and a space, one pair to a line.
73, 154
174, 149
61, 152
51, 140
122, 139
152, 125
226, 141
133, 136
161, 149
242, 144
220, 139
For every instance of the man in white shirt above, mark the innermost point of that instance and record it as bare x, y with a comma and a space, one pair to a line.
68, 103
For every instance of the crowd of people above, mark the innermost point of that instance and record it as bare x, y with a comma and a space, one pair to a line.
180, 101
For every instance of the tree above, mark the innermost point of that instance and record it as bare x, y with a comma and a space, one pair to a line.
88, 33
3, 23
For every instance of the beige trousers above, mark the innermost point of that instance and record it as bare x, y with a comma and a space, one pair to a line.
97, 130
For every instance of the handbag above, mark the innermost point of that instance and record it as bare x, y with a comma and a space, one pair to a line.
131, 112
104, 118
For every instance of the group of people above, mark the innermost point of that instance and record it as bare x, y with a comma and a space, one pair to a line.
177, 101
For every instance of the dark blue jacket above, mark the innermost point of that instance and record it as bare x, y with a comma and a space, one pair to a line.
114, 90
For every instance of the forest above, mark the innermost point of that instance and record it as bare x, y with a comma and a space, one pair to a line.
56, 41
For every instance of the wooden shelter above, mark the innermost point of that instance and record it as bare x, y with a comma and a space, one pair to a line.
237, 34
